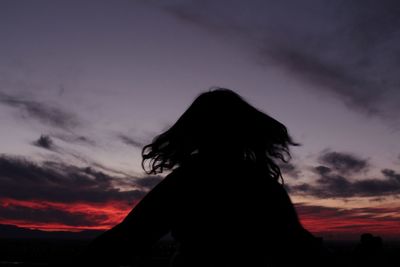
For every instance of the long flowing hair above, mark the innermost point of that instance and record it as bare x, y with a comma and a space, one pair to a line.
220, 121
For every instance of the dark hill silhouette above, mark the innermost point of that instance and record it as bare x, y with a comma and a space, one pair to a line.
15, 232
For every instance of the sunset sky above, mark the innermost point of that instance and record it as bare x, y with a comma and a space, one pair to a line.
85, 84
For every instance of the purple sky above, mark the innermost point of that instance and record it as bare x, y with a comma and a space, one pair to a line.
97, 79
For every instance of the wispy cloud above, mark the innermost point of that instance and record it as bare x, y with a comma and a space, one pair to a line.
42, 112
75, 138
47, 142
348, 49
130, 141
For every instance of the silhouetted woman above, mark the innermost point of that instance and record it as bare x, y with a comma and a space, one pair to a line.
223, 201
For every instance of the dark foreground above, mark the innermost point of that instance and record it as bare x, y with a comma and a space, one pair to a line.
56, 252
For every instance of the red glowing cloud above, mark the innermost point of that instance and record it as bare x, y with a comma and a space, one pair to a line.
331, 223
55, 196
336, 223
51, 216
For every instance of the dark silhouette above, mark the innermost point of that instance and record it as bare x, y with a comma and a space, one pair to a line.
369, 251
223, 201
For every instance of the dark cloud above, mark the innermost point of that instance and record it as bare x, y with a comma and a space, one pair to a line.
130, 141
290, 170
335, 178
45, 142
392, 175
322, 170
333, 185
42, 112
348, 49
148, 182
54, 194
54, 181
344, 163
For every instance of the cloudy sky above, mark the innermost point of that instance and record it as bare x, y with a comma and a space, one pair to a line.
84, 84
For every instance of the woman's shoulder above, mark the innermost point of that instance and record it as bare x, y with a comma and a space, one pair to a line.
178, 176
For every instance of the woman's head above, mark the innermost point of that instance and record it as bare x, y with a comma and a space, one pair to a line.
219, 123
